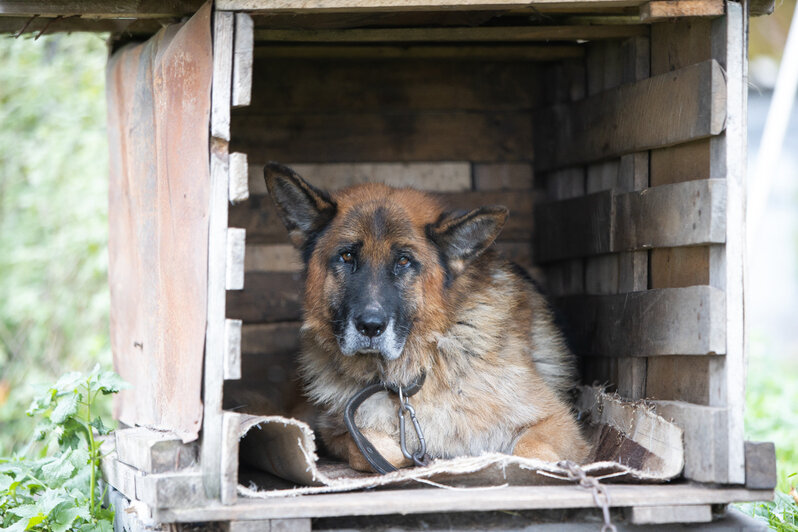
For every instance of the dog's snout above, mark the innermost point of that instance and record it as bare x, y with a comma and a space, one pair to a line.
371, 322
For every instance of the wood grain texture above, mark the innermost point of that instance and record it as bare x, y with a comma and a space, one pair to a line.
675, 513
760, 465
435, 177
239, 178
634, 117
387, 137
355, 6
483, 34
574, 227
655, 322
152, 451
465, 53
507, 176
434, 500
232, 359
684, 378
222, 74
267, 297
658, 10
236, 247
361, 85
101, 8
243, 54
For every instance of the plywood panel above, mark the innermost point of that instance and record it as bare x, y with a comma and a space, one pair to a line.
158, 277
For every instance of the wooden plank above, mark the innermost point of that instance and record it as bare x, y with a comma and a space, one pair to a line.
357, 6
575, 227
172, 490
120, 476
670, 321
236, 246
684, 378
436, 500
760, 465
215, 347
676, 513
100, 8
730, 46
232, 360
267, 297
688, 266
48, 25
565, 278
466, 53
231, 423
273, 258
358, 86
706, 449
243, 47
503, 176
436, 177
152, 451
239, 178
386, 137
290, 525
634, 117
601, 274
702, 159
680, 43
681, 214
222, 74
280, 337
482, 34
658, 10
259, 216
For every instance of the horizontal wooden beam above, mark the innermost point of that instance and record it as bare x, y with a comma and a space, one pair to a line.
48, 25
680, 214
153, 451
676, 513
658, 10
267, 297
481, 34
436, 500
357, 6
259, 216
669, 321
679, 106
460, 53
281, 337
100, 8
385, 136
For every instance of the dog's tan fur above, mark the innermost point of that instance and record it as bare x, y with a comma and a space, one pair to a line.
497, 368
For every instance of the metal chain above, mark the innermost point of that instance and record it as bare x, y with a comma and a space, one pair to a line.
419, 457
600, 495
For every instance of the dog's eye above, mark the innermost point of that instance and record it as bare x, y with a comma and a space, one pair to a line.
347, 257
403, 262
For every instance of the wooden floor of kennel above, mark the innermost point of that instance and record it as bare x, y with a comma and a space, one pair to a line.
641, 187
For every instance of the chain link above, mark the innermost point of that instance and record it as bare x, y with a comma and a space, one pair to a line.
600, 495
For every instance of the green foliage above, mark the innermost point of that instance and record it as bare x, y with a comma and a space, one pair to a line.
771, 408
58, 491
53, 218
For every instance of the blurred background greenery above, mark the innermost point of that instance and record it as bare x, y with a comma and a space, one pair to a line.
53, 233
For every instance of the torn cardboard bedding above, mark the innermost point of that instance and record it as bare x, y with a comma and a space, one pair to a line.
630, 443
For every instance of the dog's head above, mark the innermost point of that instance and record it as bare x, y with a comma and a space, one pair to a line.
378, 259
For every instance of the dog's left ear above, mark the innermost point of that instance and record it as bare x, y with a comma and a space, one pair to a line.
463, 238
303, 208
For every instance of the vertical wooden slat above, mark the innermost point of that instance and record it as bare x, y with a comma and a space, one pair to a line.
236, 249
232, 340
230, 422
211, 455
239, 178
242, 60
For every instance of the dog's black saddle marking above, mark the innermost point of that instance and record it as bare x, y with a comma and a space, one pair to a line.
372, 456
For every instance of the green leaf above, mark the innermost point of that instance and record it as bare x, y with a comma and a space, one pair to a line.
35, 520
5, 482
69, 382
64, 517
109, 382
18, 526
26, 511
59, 469
67, 407
50, 499
97, 423
70, 437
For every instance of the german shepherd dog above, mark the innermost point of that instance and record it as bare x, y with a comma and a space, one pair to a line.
397, 287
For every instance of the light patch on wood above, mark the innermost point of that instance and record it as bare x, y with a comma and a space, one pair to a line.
658, 10
272, 258
239, 178
222, 74
236, 249
437, 177
232, 360
503, 176
661, 515
243, 47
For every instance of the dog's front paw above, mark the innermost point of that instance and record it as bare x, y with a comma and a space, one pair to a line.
387, 446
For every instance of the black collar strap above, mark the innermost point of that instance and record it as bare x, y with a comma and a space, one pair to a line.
377, 461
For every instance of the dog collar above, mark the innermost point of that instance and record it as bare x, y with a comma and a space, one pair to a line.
369, 452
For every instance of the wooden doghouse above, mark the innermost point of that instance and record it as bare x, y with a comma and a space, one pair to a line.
614, 130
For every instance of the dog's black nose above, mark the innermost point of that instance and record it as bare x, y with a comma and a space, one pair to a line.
371, 323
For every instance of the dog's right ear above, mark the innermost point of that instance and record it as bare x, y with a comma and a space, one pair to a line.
303, 208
